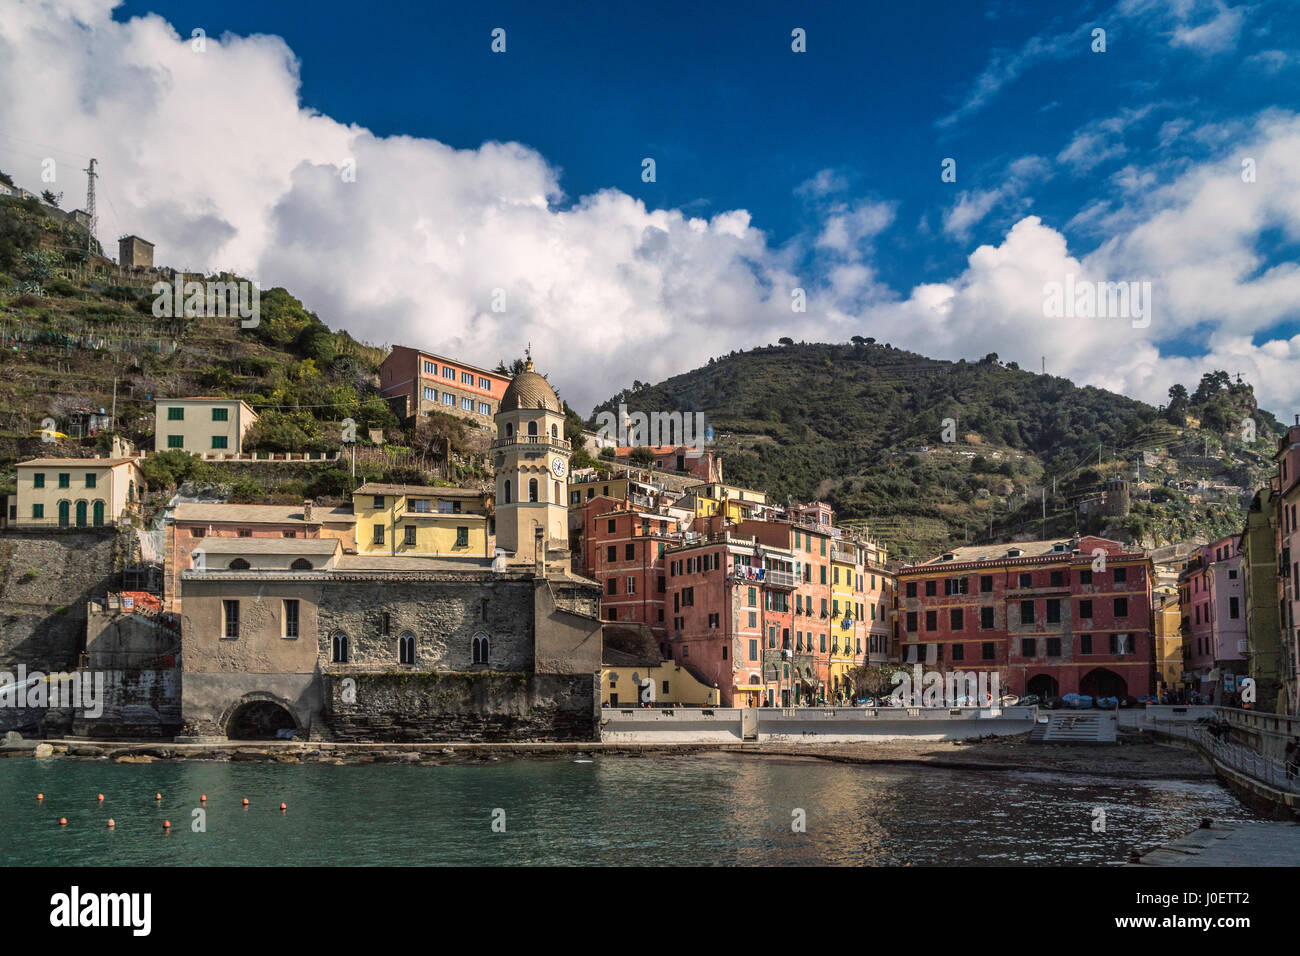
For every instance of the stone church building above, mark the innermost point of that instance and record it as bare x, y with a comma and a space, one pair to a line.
306, 636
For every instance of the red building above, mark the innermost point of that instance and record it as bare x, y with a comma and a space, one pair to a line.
626, 548
1052, 618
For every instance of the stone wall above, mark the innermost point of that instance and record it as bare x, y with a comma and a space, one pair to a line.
444, 617
460, 707
137, 703
211, 700
117, 639
46, 580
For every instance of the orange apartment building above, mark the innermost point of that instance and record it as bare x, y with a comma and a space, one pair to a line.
418, 382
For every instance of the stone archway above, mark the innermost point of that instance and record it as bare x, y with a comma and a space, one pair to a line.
1103, 683
1044, 685
258, 716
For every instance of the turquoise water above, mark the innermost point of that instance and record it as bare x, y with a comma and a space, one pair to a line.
703, 809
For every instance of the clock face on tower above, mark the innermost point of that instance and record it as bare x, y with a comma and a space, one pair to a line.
557, 467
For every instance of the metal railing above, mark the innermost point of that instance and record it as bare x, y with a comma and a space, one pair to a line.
531, 440
1251, 763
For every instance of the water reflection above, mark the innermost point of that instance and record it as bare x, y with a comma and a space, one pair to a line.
702, 809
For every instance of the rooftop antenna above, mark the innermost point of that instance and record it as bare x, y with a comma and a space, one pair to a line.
90, 208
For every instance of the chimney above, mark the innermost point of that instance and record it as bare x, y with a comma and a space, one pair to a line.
306, 511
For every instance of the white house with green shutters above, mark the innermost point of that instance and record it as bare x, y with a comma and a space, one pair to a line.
204, 426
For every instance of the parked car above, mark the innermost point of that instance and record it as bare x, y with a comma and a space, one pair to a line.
1029, 700
1053, 703
1009, 700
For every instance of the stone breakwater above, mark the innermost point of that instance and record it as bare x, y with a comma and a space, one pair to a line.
1136, 760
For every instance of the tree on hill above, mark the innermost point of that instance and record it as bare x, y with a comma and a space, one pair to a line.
1211, 384
1176, 412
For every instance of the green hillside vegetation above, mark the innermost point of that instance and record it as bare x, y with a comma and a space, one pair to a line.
73, 337
928, 454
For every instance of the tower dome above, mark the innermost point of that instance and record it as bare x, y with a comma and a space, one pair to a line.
529, 390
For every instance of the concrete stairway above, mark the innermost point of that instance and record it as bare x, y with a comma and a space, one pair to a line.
1076, 727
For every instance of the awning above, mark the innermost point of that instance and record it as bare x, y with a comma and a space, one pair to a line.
751, 687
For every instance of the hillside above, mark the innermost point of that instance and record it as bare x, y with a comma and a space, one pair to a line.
78, 334
863, 426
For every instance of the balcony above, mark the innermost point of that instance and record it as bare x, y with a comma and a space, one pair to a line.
539, 442
774, 579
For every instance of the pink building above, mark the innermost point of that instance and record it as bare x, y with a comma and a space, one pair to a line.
1214, 616
1287, 525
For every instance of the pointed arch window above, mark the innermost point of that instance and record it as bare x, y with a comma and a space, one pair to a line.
406, 649
480, 649
341, 649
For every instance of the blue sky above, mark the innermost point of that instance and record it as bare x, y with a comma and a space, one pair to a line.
775, 169
734, 119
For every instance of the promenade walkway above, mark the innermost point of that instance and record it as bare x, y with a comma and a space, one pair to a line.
1238, 844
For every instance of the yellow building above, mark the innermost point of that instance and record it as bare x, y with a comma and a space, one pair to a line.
607, 487
1169, 638
736, 504
419, 521
622, 679
209, 427
76, 492
531, 458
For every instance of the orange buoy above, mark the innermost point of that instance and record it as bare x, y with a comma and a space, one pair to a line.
167, 824
245, 801
157, 796
111, 824
63, 821
40, 796
101, 798
284, 807
203, 799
